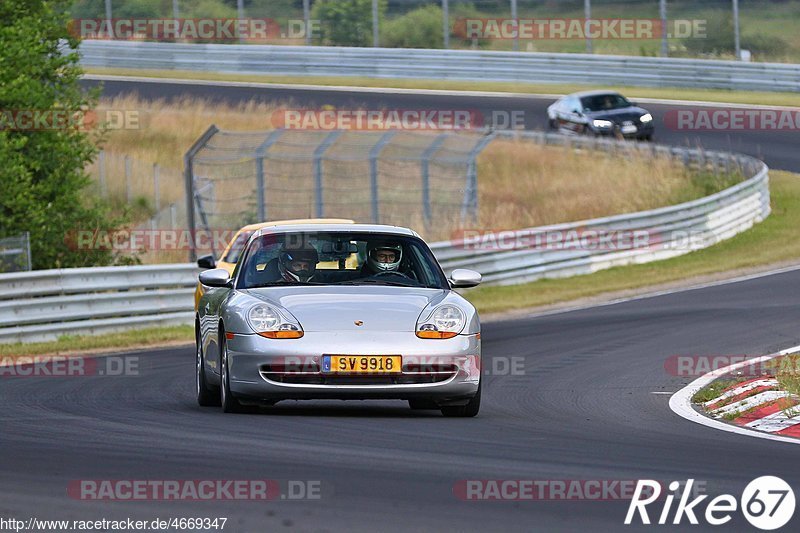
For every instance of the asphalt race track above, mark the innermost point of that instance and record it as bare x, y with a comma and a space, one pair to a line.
583, 408
777, 148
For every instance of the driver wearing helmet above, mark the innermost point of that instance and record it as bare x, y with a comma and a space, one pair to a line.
298, 265
383, 257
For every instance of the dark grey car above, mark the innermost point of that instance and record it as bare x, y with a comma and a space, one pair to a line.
601, 113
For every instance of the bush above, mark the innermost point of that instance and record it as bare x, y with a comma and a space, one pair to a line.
420, 28
720, 40
43, 184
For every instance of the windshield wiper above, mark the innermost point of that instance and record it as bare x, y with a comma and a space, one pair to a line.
375, 282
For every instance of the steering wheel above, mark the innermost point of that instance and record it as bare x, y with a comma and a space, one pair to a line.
390, 273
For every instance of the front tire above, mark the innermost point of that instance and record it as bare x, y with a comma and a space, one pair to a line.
465, 411
206, 397
226, 398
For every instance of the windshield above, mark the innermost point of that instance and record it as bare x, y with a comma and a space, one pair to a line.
339, 258
237, 246
604, 102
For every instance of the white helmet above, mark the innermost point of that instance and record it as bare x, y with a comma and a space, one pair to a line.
378, 266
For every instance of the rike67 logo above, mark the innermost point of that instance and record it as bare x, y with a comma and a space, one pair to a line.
767, 503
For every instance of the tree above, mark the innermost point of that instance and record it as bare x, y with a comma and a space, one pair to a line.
43, 184
346, 22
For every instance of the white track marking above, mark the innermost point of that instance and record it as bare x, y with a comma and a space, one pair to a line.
774, 422
744, 388
750, 402
681, 402
398, 90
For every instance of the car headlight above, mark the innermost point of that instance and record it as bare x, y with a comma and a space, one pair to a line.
269, 322
647, 117
597, 123
445, 322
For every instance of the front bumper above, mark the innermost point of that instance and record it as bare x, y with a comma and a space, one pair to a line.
444, 370
643, 130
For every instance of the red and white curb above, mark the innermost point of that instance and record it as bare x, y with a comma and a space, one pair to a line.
769, 422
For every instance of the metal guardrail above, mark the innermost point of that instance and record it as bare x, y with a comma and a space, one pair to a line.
46, 304
470, 65
43, 305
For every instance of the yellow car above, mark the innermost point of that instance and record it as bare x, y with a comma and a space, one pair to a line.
230, 255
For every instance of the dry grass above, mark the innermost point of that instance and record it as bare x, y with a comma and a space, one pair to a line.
523, 184
520, 184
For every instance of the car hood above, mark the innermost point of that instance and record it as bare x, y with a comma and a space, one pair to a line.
338, 308
618, 115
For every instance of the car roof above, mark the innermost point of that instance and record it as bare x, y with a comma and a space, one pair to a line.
315, 221
337, 227
597, 92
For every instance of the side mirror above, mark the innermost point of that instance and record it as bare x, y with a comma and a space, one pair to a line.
216, 277
463, 278
207, 261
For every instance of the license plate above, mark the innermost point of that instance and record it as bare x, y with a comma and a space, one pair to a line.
362, 364
629, 129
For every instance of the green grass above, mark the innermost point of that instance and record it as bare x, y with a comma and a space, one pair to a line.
787, 375
771, 241
140, 338
713, 390
707, 95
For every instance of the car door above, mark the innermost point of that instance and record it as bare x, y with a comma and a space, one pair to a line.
573, 120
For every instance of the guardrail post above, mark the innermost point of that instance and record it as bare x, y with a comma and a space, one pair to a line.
470, 203
188, 175
374, 152
318, 153
260, 184
426, 182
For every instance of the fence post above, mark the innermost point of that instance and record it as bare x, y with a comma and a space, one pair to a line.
156, 199
260, 184
188, 175
28, 249
445, 24
470, 203
426, 182
374, 152
318, 153
101, 163
128, 192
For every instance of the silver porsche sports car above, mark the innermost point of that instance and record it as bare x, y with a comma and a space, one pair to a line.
347, 311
